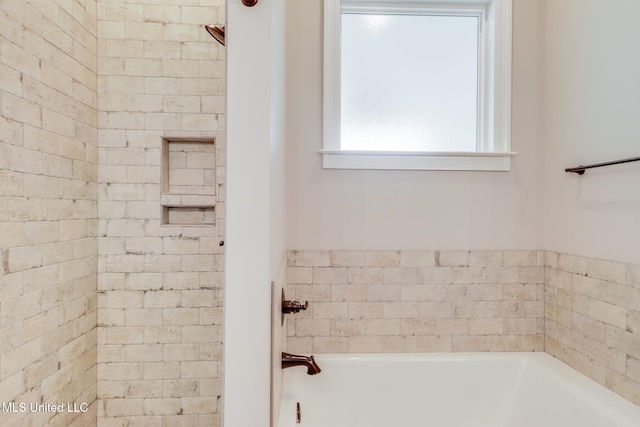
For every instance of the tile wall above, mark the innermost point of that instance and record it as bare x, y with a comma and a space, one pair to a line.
592, 312
161, 76
416, 301
48, 210
585, 312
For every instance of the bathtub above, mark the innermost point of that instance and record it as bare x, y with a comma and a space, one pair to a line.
449, 390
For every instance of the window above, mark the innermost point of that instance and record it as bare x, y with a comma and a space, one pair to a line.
417, 85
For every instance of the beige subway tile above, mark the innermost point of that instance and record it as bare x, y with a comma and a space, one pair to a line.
180, 316
123, 407
417, 258
622, 295
503, 343
413, 326
572, 264
451, 327
503, 274
299, 275
607, 270
452, 258
198, 369
198, 405
366, 310
532, 342
623, 385
485, 258
520, 259
435, 275
301, 344
521, 291
330, 276
531, 275
375, 327
633, 275
429, 344
505, 309
469, 343
382, 293
178, 387
633, 368
633, 321
400, 344
330, 310
454, 292
608, 313
313, 292
365, 275
349, 293
161, 406
520, 326
368, 344
348, 258
435, 310
382, 258
468, 275
312, 258
312, 327
486, 292
347, 327
162, 299
464, 309
400, 310
400, 275
486, 326
623, 340
417, 293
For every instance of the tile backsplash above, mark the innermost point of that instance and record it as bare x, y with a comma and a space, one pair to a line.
583, 311
592, 312
416, 301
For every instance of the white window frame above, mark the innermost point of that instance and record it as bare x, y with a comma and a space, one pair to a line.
494, 88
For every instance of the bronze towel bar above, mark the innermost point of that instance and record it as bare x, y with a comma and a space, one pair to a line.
580, 169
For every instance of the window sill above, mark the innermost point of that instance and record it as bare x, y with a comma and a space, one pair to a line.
405, 160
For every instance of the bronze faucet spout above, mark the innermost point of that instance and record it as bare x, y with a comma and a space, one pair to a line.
289, 360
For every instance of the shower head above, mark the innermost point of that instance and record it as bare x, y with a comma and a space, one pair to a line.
216, 32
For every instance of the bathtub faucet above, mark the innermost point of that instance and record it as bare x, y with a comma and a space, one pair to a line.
289, 360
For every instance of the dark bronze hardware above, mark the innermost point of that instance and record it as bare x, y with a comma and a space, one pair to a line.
291, 307
298, 417
581, 169
216, 32
249, 3
289, 360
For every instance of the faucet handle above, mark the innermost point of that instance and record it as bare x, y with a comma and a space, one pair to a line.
294, 306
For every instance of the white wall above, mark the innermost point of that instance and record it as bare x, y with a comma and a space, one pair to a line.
255, 207
592, 105
341, 209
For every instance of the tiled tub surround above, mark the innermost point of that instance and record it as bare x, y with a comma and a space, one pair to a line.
584, 311
592, 312
416, 301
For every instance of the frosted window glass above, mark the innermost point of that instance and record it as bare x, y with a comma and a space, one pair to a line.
409, 82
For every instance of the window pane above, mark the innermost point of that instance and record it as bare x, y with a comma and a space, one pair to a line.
409, 82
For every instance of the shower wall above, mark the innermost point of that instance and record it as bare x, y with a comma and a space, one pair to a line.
161, 83
48, 210
592, 319
416, 301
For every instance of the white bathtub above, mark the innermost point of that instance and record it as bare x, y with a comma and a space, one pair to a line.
449, 390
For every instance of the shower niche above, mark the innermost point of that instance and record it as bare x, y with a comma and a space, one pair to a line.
188, 181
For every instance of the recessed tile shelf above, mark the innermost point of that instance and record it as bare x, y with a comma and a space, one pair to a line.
188, 181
